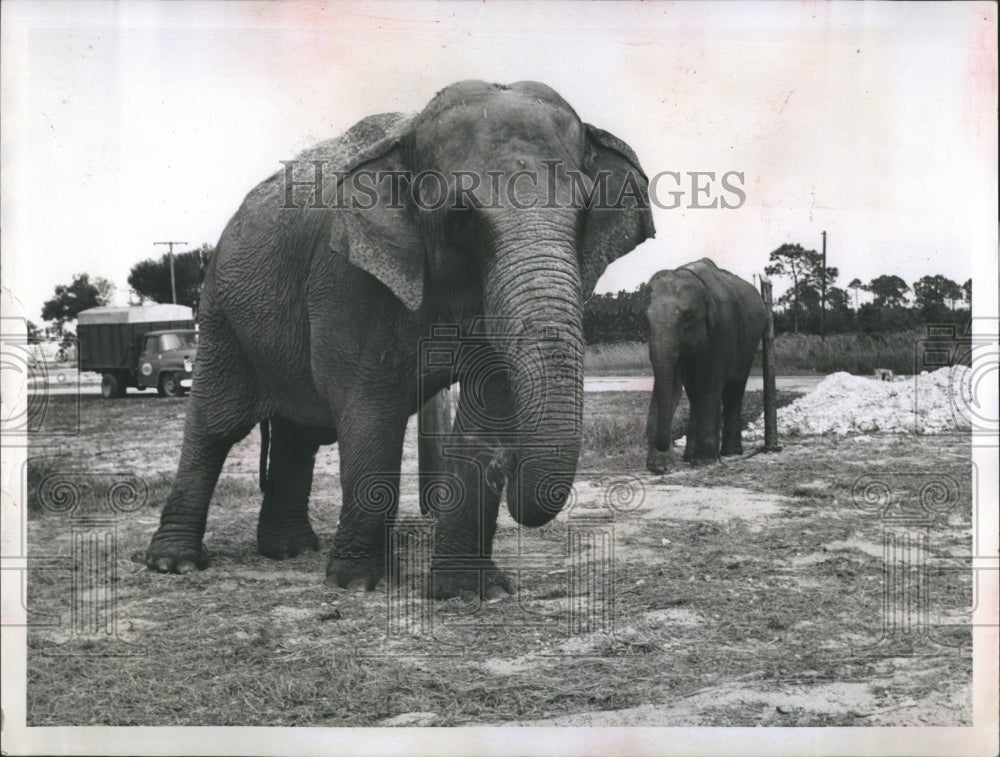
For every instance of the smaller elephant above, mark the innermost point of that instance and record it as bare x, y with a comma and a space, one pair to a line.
704, 328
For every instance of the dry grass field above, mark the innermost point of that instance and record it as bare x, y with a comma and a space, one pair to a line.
794, 354
744, 593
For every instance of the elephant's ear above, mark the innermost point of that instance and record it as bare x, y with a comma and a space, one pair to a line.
381, 235
616, 228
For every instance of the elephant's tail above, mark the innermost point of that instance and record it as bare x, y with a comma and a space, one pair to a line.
265, 445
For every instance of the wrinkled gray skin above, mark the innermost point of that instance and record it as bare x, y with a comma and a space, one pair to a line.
311, 317
704, 328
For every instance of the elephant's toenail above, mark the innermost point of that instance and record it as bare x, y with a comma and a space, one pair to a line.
163, 565
187, 567
496, 593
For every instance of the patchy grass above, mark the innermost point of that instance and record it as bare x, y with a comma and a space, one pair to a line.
617, 359
754, 616
614, 424
794, 354
854, 353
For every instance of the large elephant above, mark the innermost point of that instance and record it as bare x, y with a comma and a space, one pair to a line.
338, 301
704, 328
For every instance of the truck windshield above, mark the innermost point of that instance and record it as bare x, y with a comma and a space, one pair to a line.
183, 341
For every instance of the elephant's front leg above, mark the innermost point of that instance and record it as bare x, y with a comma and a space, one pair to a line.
220, 413
283, 529
463, 545
436, 419
732, 409
656, 461
704, 423
177, 546
370, 435
474, 470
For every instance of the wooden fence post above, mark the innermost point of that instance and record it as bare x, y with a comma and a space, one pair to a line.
767, 359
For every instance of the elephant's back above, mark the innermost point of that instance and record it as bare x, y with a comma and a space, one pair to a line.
269, 209
275, 231
752, 314
339, 153
259, 277
739, 289
749, 312
748, 294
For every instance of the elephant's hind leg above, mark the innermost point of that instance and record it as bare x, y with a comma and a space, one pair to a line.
177, 545
283, 529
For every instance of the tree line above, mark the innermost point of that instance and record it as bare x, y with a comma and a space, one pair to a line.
618, 317
892, 304
935, 299
148, 280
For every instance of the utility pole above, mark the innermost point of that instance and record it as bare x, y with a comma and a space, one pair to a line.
173, 285
822, 293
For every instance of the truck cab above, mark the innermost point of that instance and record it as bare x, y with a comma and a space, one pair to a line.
166, 361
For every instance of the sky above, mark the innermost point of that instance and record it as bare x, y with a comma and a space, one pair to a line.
128, 123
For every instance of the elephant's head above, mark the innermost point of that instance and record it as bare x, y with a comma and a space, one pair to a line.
490, 218
681, 313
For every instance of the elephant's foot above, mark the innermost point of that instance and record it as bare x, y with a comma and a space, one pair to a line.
659, 462
733, 448
175, 554
696, 456
696, 461
469, 579
282, 542
349, 572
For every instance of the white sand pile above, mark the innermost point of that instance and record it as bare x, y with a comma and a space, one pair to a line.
844, 404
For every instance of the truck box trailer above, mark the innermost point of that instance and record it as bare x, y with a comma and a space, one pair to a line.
142, 346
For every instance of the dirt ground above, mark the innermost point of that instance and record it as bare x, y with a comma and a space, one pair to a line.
764, 590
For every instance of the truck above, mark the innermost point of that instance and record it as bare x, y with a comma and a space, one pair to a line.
140, 346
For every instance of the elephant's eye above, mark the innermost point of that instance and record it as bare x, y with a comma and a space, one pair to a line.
462, 227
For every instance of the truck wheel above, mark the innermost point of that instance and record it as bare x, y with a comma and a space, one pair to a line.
112, 386
169, 386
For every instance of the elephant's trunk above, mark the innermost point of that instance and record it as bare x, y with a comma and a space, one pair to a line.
664, 387
664, 358
533, 295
